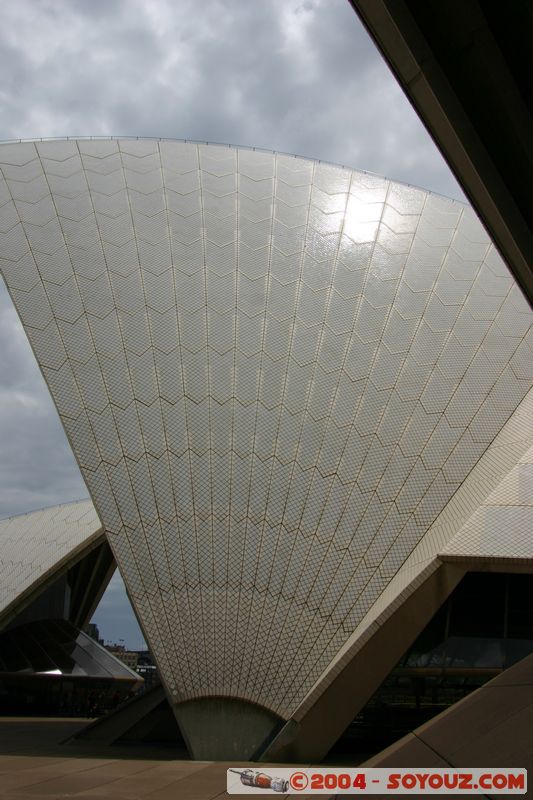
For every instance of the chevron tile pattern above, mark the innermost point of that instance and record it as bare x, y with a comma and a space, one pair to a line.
502, 527
33, 546
274, 374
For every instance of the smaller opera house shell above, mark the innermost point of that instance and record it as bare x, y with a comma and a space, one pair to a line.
290, 388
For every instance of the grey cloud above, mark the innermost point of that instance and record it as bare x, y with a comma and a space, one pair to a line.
293, 76
37, 468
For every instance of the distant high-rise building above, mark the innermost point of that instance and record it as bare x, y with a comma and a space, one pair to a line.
91, 629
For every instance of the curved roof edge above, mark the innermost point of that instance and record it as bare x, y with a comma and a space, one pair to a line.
231, 146
37, 546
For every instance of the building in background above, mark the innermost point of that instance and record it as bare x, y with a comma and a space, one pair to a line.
128, 657
147, 669
300, 397
91, 629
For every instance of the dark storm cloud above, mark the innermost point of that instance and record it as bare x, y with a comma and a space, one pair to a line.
299, 76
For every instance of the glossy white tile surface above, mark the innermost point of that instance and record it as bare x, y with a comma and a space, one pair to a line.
274, 374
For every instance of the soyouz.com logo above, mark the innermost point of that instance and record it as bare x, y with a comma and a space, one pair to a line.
316, 780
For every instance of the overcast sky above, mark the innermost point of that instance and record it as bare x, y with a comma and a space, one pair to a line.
300, 76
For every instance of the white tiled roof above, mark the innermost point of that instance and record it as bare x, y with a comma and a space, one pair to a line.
33, 546
502, 527
452, 537
274, 373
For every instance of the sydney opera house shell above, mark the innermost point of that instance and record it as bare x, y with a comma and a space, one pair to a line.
300, 398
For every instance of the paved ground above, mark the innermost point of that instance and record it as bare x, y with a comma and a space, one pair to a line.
34, 765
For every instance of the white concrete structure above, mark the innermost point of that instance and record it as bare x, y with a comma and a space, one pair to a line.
35, 547
275, 375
